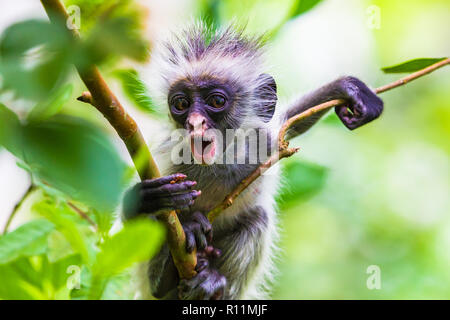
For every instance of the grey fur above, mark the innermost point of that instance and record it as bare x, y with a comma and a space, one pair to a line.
245, 236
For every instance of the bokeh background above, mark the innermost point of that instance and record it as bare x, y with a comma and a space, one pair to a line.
375, 196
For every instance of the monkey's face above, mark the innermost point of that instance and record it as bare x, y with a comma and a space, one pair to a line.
205, 109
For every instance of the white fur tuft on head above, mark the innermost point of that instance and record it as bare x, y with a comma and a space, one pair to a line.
199, 50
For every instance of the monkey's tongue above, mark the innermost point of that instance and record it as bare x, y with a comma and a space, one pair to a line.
202, 150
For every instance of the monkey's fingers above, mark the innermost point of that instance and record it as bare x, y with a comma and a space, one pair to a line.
208, 284
170, 179
174, 202
179, 200
363, 105
169, 189
188, 289
212, 252
190, 240
205, 225
354, 116
195, 238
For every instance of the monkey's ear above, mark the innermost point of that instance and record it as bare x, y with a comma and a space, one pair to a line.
266, 95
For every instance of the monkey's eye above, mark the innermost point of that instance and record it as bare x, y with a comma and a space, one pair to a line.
216, 101
180, 103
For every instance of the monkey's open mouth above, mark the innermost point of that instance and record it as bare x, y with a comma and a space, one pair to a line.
203, 148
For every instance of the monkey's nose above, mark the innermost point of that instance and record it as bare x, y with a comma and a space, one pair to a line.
196, 122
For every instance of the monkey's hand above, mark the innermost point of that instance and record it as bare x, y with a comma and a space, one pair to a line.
198, 232
364, 105
150, 196
208, 284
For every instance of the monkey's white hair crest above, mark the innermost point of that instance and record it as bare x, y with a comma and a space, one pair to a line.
201, 51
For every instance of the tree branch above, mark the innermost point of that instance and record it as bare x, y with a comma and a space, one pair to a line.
83, 215
16, 208
102, 98
283, 145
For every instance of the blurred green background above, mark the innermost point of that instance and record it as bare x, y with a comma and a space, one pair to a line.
376, 196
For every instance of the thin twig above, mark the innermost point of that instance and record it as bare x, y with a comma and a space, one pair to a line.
413, 76
16, 208
82, 214
283, 145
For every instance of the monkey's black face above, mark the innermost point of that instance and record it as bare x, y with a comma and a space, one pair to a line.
199, 106
210, 98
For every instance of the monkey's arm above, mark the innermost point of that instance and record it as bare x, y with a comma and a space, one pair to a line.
363, 103
149, 197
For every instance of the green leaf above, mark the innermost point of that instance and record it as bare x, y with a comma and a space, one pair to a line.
36, 278
118, 288
297, 8
104, 221
302, 6
412, 65
302, 180
14, 287
57, 272
52, 105
136, 90
114, 36
85, 288
76, 158
27, 240
10, 130
35, 56
57, 215
92, 11
209, 11
69, 155
138, 241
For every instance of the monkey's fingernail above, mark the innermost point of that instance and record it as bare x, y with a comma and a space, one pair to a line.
194, 194
191, 183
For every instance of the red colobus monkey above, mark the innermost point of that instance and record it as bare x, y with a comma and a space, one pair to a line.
214, 82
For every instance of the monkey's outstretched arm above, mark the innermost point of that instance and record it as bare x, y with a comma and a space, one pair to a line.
363, 105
